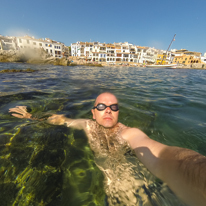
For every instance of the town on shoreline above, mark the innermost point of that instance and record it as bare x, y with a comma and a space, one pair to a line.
47, 51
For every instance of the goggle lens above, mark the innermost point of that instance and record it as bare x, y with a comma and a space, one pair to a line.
101, 107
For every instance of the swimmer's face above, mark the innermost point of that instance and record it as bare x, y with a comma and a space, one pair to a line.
107, 118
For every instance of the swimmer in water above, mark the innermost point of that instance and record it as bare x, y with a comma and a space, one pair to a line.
182, 169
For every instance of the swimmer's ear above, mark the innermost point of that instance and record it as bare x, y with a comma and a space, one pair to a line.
92, 110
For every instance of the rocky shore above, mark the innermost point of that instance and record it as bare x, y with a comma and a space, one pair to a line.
39, 56
193, 66
32, 56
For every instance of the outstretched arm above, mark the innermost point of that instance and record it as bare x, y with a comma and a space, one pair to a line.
55, 119
182, 169
62, 120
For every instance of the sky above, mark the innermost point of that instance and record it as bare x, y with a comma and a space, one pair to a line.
150, 23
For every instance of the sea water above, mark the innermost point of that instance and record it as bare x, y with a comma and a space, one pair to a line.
41, 164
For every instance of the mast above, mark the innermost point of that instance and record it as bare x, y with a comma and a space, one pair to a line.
173, 39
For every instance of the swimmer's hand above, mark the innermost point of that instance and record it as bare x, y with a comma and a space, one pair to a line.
20, 112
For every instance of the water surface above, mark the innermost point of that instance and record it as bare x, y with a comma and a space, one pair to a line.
53, 165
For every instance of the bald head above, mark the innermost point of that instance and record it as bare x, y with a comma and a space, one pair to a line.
106, 96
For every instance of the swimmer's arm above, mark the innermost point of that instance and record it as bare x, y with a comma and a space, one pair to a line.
55, 119
182, 169
62, 120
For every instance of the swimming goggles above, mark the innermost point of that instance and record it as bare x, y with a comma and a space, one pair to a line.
101, 107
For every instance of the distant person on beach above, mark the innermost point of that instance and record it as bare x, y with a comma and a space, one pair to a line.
182, 169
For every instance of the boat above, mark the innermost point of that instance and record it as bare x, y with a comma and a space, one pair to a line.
171, 66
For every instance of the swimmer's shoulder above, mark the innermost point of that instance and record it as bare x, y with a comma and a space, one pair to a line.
131, 132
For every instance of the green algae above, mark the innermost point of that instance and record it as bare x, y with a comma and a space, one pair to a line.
17, 70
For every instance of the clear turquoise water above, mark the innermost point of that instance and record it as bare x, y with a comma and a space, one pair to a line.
53, 165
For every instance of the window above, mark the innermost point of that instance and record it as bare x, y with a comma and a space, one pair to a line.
50, 51
40, 44
46, 44
34, 43
27, 41
8, 40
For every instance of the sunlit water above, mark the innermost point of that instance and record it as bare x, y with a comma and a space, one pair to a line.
41, 164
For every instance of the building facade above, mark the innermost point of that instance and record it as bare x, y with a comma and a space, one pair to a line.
7, 43
186, 57
116, 53
54, 48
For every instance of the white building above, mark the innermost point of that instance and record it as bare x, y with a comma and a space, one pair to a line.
54, 48
116, 53
7, 43
51, 47
203, 59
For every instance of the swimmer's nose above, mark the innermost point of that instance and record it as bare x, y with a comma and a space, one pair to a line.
108, 110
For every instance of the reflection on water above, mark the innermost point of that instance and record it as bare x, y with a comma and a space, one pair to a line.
42, 164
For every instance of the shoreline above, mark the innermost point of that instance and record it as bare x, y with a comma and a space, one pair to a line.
100, 65
42, 58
